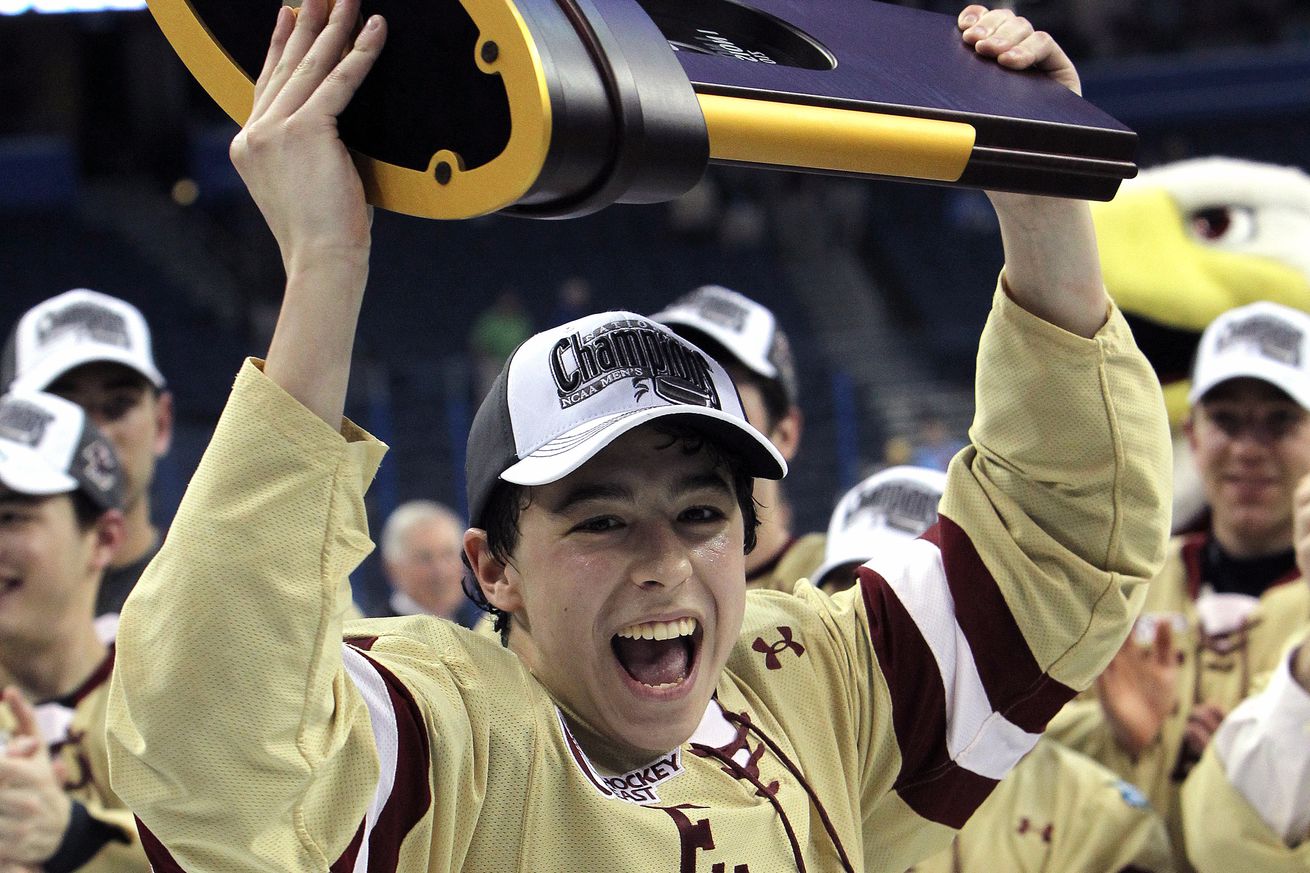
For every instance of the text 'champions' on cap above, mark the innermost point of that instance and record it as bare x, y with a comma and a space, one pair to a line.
1265, 341
567, 393
48, 446
889, 508
75, 328
745, 329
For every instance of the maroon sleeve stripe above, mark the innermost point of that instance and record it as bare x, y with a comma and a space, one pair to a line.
1016, 686
160, 859
411, 795
346, 863
934, 786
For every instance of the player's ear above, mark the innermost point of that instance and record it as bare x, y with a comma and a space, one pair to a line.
491, 574
1189, 428
786, 434
163, 423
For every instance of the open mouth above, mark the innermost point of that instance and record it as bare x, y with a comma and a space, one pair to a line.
658, 654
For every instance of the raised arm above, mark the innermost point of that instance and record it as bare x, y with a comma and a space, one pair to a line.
305, 183
1051, 264
237, 732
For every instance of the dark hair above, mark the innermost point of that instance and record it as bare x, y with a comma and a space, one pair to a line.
507, 501
85, 510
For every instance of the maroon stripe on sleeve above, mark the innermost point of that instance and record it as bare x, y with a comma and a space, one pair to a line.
934, 786
346, 862
160, 859
411, 796
1016, 686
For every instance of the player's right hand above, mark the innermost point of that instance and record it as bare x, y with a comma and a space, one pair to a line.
1139, 689
289, 153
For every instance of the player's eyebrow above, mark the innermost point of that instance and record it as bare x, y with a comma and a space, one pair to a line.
713, 480
592, 491
701, 481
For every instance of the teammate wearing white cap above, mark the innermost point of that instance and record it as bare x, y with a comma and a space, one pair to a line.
649, 713
61, 520
746, 338
96, 351
1225, 606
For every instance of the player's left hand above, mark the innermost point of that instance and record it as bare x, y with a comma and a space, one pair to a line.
34, 810
1015, 44
1202, 723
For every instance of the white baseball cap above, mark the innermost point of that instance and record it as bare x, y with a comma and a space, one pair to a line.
568, 392
1265, 340
886, 509
748, 330
75, 328
48, 446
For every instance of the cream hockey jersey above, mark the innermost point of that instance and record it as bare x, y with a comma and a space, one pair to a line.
853, 732
1059, 812
1217, 668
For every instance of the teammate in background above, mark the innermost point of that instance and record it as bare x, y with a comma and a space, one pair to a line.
422, 556
61, 520
745, 338
885, 511
1246, 806
95, 350
1221, 611
1057, 811
650, 713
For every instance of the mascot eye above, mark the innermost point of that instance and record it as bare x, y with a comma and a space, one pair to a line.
1226, 224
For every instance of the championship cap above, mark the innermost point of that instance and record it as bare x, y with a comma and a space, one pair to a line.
746, 329
568, 392
76, 327
1265, 340
48, 446
889, 507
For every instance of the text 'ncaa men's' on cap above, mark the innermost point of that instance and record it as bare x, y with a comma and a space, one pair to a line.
568, 392
746, 329
1265, 340
886, 509
48, 446
75, 328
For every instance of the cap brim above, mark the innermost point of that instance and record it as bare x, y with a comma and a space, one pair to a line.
1288, 381
24, 471
570, 450
41, 375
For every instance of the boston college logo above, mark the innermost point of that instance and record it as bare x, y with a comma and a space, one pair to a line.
583, 365
86, 321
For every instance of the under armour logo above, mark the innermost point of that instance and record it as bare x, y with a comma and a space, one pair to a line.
770, 651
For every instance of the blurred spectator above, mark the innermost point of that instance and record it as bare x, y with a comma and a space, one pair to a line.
61, 521
572, 301
496, 333
95, 350
422, 547
934, 445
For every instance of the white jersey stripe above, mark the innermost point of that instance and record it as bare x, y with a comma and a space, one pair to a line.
382, 716
977, 738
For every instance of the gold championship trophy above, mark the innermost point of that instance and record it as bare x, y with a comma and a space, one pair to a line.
557, 108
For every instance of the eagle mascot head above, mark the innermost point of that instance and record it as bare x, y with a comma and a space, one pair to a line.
1184, 242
